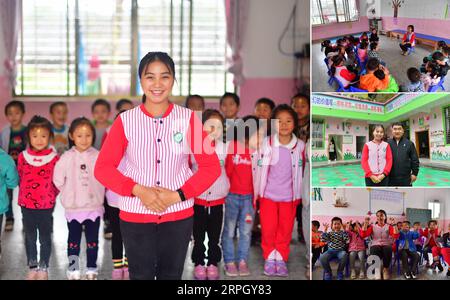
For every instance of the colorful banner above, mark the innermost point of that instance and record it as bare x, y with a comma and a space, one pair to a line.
400, 101
343, 104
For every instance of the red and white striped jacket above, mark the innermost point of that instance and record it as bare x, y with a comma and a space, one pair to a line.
155, 152
215, 194
266, 156
376, 159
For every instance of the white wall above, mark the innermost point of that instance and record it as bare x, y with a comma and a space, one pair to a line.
267, 19
422, 9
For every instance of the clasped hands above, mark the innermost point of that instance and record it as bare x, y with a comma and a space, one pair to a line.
157, 199
377, 178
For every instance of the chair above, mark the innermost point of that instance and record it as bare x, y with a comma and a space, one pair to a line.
353, 89
361, 64
435, 88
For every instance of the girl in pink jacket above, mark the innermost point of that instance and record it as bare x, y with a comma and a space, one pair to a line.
81, 195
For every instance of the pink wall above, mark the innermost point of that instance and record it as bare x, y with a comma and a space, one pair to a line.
280, 90
321, 32
433, 27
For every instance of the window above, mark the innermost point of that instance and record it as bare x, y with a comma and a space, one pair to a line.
84, 47
446, 117
318, 134
435, 208
334, 11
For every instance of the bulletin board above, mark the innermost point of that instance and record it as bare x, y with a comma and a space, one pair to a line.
418, 215
392, 202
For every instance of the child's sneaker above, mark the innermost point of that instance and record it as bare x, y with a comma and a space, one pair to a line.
126, 273
200, 272
270, 268
407, 275
386, 274
231, 270
9, 225
212, 272
73, 275
340, 276
32, 274
282, 269
328, 276
353, 274
42, 274
91, 275
243, 268
439, 266
361, 275
413, 275
117, 274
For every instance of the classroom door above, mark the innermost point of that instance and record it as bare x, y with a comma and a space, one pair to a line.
360, 142
338, 142
423, 144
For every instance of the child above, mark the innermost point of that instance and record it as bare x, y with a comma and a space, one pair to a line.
376, 159
317, 245
152, 174
37, 195
337, 241
58, 114
208, 207
13, 141
195, 103
81, 196
374, 36
364, 38
327, 46
301, 104
279, 176
341, 72
229, 106
415, 85
373, 53
431, 76
445, 251
264, 108
340, 51
123, 105
356, 248
101, 110
418, 242
407, 250
239, 210
8, 180
431, 244
362, 51
374, 82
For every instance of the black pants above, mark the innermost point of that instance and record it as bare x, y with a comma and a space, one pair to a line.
299, 223
207, 220
156, 251
405, 254
384, 253
116, 241
400, 181
9, 213
384, 182
405, 46
315, 255
332, 156
38, 221
106, 217
74, 240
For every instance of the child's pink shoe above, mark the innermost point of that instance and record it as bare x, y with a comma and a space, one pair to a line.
212, 272
200, 272
117, 274
231, 270
282, 270
32, 274
126, 273
270, 268
243, 268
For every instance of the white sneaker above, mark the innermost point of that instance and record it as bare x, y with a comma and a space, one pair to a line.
73, 275
361, 275
353, 274
91, 275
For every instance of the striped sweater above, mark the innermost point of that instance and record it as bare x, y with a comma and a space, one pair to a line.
154, 152
376, 159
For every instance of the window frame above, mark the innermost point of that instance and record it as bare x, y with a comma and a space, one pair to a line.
323, 122
134, 80
446, 123
346, 13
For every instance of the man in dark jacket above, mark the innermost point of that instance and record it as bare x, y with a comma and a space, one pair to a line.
405, 162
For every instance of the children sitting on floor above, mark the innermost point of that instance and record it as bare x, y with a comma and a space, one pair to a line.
416, 84
341, 72
377, 77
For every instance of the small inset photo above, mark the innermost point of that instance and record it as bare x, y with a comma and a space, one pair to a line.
380, 234
397, 140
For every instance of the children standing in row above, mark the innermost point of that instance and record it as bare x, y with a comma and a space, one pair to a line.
37, 195
82, 196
